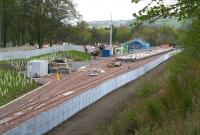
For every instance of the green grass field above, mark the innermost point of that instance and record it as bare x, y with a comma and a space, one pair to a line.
74, 55
20, 64
13, 85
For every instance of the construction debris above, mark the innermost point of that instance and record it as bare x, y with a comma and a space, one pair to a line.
114, 64
84, 68
144, 54
59, 66
96, 72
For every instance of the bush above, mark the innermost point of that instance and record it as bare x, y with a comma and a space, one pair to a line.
13, 85
146, 89
155, 111
126, 124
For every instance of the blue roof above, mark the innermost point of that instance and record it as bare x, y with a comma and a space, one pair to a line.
139, 43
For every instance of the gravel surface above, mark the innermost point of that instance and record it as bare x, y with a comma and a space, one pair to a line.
51, 95
88, 120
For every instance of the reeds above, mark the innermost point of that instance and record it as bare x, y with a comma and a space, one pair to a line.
20, 64
10, 81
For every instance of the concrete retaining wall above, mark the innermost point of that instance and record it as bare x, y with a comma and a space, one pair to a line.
27, 54
55, 116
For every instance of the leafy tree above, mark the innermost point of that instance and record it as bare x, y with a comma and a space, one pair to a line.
179, 9
158, 35
187, 10
81, 33
114, 35
123, 34
166, 35
35, 20
94, 35
156, 9
58, 11
6, 19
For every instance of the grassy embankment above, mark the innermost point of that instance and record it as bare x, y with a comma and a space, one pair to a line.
166, 105
13, 84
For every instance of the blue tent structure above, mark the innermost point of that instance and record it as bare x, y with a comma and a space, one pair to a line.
138, 44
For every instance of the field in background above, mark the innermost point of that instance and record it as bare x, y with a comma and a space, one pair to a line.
20, 64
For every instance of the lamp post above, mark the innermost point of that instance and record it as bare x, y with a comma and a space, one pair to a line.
111, 34
111, 29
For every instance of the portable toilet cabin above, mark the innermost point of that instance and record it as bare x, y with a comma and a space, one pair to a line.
37, 68
126, 48
106, 53
119, 51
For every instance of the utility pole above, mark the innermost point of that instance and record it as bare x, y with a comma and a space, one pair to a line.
111, 29
111, 33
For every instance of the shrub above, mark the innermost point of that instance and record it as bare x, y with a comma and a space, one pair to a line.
155, 111
13, 85
146, 89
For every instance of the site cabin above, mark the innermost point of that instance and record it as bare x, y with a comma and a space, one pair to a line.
135, 44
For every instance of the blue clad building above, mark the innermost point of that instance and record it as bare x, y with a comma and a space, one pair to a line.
138, 44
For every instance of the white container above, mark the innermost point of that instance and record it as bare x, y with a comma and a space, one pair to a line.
37, 68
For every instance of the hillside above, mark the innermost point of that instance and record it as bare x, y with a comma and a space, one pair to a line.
161, 22
106, 23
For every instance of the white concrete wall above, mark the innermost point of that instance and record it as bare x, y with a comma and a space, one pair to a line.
55, 116
27, 54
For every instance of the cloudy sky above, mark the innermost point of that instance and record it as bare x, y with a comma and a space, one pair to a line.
94, 10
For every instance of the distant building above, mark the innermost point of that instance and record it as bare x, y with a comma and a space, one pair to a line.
138, 44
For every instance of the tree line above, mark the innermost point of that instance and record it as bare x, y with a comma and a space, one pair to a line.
82, 34
30, 21
53, 21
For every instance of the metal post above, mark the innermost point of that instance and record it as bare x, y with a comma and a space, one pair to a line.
111, 29
111, 32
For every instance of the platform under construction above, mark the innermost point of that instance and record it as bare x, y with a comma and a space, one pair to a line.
36, 112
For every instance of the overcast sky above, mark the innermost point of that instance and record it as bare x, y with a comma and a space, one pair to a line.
94, 10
